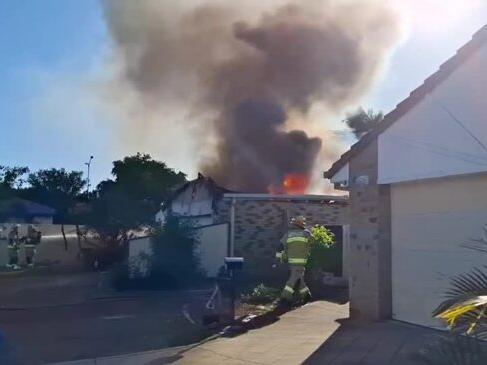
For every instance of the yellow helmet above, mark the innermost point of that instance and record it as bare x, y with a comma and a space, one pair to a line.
299, 221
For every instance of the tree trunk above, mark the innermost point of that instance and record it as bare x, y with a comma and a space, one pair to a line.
64, 238
78, 235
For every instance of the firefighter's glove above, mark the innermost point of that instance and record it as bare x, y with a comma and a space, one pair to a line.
281, 256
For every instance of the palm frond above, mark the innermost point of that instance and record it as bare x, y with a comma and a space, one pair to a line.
468, 285
478, 244
465, 307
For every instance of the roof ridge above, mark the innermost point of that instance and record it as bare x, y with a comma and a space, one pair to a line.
478, 39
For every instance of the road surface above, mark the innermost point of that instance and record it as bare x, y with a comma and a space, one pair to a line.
102, 327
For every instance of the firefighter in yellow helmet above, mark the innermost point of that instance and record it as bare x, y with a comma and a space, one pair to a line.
295, 248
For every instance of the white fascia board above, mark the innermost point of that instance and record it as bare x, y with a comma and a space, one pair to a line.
342, 176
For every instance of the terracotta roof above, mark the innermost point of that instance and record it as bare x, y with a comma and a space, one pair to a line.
445, 70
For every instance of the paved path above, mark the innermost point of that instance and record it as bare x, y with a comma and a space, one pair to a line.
379, 343
318, 333
290, 340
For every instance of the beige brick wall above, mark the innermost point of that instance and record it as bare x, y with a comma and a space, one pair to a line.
370, 247
260, 224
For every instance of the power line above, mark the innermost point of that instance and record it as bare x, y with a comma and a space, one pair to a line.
455, 119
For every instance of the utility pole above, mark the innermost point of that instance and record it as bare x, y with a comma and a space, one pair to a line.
88, 164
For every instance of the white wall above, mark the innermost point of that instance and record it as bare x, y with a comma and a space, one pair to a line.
195, 201
213, 247
51, 250
140, 252
430, 221
427, 142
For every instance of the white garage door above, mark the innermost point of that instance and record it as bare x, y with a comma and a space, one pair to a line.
430, 222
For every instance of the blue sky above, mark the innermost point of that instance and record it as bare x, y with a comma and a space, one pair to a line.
50, 48
44, 42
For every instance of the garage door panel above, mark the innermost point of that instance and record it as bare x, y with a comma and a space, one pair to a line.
427, 244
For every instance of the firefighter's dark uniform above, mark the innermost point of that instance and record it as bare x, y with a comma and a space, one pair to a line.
296, 244
33, 239
13, 247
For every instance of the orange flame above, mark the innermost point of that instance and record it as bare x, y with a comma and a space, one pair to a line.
292, 184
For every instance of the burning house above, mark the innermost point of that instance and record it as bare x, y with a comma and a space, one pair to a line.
251, 225
249, 90
246, 79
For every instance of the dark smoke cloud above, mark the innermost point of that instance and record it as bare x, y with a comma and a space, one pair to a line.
254, 71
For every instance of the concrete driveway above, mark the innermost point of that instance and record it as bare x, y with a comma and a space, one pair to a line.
318, 333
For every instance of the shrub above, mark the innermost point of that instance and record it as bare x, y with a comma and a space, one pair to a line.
261, 294
324, 255
175, 262
322, 236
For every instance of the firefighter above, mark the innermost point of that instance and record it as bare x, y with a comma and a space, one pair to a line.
32, 240
13, 247
295, 248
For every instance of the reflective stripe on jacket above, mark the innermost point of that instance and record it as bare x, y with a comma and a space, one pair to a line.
297, 247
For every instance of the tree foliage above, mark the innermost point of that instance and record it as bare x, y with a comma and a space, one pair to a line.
361, 121
11, 179
57, 181
144, 178
134, 196
57, 188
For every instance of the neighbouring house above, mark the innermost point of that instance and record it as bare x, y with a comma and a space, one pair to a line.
251, 225
417, 185
196, 200
16, 210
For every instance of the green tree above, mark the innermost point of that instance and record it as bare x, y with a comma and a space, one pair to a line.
144, 178
57, 188
11, 179
134, 196
361, 121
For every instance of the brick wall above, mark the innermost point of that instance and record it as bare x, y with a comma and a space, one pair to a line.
370, 256
260, 224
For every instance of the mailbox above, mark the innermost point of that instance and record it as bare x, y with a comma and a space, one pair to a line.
234, 263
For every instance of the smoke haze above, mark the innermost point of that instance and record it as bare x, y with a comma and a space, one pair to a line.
247, 74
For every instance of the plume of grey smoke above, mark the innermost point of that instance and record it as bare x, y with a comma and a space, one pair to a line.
253, 69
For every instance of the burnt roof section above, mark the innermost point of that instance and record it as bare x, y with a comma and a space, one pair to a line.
445, 70
216, 189
205, 179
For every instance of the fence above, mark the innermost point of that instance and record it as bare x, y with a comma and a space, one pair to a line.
212, 249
